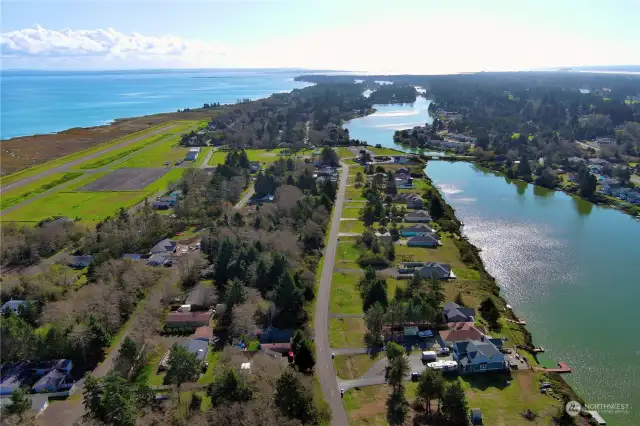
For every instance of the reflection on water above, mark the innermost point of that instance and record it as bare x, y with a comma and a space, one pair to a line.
541, 191
575, 282
584, 208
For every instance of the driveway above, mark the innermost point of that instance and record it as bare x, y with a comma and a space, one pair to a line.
324, 364
244, 200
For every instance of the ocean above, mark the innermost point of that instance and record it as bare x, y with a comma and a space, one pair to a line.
36, 102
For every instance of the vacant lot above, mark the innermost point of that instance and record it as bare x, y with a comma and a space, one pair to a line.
126, 180
158, 155
345, 296
88, 206
353, 366
346, 332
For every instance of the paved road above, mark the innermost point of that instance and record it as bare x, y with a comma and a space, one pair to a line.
246, 197
324, 365
43, 194
205, 163
91, 156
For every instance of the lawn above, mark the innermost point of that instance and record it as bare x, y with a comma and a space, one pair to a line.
265, 156
162, 184
203, 154
367, 405
353, 193
346, 332
343, 152
353, 366
158, 155
81, 154
354, 226
17, 195
385, 151
345, 295
446, 253
351, 212
89, 206
346, 252
502, 405
213, 357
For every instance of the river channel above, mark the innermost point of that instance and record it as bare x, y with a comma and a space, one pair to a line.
571, 269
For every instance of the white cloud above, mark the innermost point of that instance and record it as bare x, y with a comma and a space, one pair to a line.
462, 44
108, 45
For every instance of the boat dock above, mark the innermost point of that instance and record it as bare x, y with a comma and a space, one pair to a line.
562, 369
517, 321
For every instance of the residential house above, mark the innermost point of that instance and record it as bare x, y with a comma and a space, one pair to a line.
14, 376
158, 259
198, 347
44, 367
198, 296
187, 319
53, 381
456, 313
417, 216
459, 332
413, 201
441, 271
423, 240
12, 305
405, 183
80, 262
598, 161
269, 198
164, 246
275, 347
401, 159
254, 166
402, 176
203, 333
169, 199
605, 141
275, 335
479, 356
161, 205
417, 229
427, 269
402, 171
134, 257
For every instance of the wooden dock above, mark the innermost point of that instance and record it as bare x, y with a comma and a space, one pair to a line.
562, 369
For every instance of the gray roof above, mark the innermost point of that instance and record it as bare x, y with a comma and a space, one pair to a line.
165, 245
196, 296
485, 348
453, 310
52, 378
199, 347
13, 305
158, 258
437, 270
418, 213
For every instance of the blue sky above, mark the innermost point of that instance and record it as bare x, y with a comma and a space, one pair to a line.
378, 36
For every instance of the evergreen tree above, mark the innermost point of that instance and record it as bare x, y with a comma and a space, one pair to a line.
454, 405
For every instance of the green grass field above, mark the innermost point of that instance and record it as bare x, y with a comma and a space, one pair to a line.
15, 196
385, 151
81, 154
163, 152
89, 206
353, 366
264, 156
345, 295
344, 152
351, 212
352, 226
346, 332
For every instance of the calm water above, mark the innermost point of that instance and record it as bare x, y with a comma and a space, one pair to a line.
570, 268
380, 126
36, 102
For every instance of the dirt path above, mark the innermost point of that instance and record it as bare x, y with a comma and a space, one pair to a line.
73, 163
324, 367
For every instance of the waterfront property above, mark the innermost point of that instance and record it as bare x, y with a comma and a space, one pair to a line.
417, 216
413, 201
459, 332
455, 313
427, 270
479, 356
418, 229
423, 240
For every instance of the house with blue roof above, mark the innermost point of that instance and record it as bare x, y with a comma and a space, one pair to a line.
12, 305
479, 356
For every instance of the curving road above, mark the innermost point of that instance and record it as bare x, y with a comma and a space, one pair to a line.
324, 365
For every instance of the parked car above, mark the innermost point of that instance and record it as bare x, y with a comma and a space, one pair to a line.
443, 351
415, 376
425, 333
